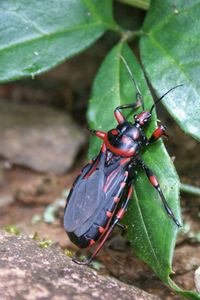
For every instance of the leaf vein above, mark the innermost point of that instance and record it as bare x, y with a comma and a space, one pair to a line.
29, 21
180, 67
50, 34
168, 17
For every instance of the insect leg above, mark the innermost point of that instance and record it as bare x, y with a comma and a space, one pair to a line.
122, 227
99, 133
158, 132
153, 180
118, 114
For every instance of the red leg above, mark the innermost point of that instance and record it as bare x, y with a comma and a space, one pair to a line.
154, 181
118, 114
99, 133
158, 132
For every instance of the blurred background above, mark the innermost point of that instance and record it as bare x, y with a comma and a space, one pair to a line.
43, 146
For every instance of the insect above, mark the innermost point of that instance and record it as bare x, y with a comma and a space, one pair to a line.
100, 194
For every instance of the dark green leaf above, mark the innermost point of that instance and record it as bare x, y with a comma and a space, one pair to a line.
170, 55
37, 35
151, 232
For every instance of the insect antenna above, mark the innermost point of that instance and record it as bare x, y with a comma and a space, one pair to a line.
138, 93
159, 99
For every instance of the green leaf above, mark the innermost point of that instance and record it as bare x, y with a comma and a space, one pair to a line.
170, 55
186, 294
37, 35
143, 4
151, 232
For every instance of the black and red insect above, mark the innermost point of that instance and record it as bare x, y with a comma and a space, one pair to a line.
100, 194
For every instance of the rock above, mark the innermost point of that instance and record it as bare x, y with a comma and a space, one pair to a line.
36, 190
30, 272
39, 137
6, 199
197, 279
187, 258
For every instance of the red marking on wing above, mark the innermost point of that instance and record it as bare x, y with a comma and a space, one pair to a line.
123, 184
109, 214
109, 179
92, 242
116, 199
126, 173
153, 180
124, 160
130, 192
92, 169
101, 229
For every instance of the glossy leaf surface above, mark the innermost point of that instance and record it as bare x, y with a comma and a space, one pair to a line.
151, 232
170, 51
37, 35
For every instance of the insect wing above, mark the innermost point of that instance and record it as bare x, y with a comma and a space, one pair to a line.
86, 197
107, 204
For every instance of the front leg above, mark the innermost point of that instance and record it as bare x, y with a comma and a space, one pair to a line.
158, 133
118, 114
101, 134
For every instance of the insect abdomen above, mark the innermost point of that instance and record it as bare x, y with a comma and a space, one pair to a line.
92, 234
101, 219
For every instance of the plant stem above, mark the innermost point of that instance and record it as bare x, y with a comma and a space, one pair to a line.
128, 35
187, 188
143, 4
